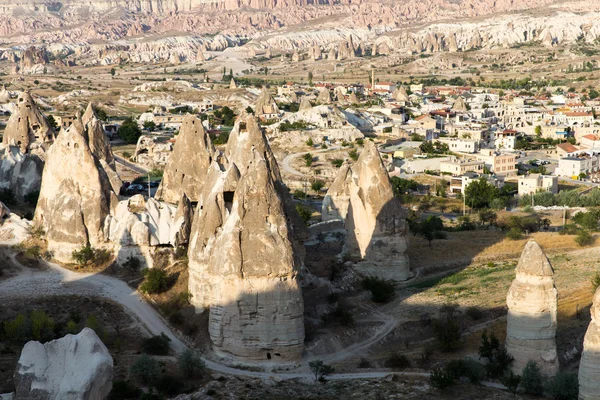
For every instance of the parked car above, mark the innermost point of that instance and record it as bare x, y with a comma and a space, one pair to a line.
135, 188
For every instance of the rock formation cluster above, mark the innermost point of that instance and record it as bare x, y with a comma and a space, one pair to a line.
244, 262
73, 367
186, 170
532, 308
589, 365
362, 197
151, 152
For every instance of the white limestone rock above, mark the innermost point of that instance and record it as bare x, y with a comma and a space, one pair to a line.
532, 305
589, 365
75, 367
362, 197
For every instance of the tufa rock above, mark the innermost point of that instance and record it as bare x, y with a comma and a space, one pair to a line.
186, 169
362, 197
589, 365
27, 128
459, 105
266, 106
532, 305
75, 367
72, 206
305, 104
324, 96
100, 147
232, 84
400, 94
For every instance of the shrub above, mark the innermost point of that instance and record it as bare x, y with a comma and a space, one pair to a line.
447, 334
84, 256
317, 185
157, 281
299, 194
156, 345
595, 282
339, 315
498, 357
310, 142
381, 291
190, 363
531, 381
308, 159
563, 386
16, 330
353, 154
441, 379
337, 162
33, 252
512, 382
320, 370
397, 361
42, 326
584, 238
305, 213
514, 234
132, 263
92, 323
569, 229
145, 369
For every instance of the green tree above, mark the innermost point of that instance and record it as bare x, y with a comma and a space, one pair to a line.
113, 72
250, 110
145, 369
129, 131
308, 159
584, 238
305, 213
441, 378
337, 162
353, 154
310, 78
563, 386
512, 382
487, 216
538, 131
532, 381
320, 370
149, 126
84, 255
480, 193
317, 185
52, 122
190, 363
157, 281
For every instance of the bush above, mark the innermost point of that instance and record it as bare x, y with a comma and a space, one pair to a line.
320, 370
339, 315
299, 194
16, 330
447, 334
92, 323
499, 359
317, 185
84, 256
308, 159
584, 238
441, 379
337, 162
563, 386
381, 291
531, 381
511, 381
514, 234
310, 142
157, 281
305, 213
190, 363
42, 326
129, 131
397, 361
145, 369
353, 154
156, 345
595, 282
132, 263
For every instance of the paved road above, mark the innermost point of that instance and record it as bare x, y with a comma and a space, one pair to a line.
134, 167
286, 164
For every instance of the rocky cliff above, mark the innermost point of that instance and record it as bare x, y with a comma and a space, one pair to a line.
362, 197
589, 366
73, 206
27, 127
73, 367
243, 263
188, 164
532, 306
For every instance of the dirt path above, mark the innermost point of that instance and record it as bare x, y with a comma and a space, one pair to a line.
286, 164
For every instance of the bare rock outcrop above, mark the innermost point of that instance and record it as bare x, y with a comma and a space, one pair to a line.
266, 106
152, 152
400, 94
532, 308
324, 96
72, 206
362, 197
589, 365
187, 167
304, 104
27, 127
243, 262
460, 105
77, 367
100, 146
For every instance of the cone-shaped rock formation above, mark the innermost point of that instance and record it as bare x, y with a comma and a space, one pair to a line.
459, 105
532, 305
75, 196
243, 262
186, 170
362, 196
27, 128
304, 104
324, 96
